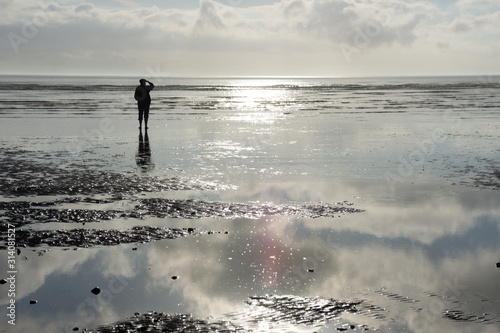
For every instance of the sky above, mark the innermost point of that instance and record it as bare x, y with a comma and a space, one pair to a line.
335, 38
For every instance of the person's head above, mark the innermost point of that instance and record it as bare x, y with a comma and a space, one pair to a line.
142, 82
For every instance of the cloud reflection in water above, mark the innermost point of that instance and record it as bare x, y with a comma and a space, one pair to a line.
441, 259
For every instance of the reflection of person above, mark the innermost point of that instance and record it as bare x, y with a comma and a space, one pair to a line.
143, 156
143, 100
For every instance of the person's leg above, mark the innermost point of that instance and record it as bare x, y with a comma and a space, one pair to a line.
146, 116
141, 112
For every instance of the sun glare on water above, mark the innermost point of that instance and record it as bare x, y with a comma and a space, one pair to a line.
260, 100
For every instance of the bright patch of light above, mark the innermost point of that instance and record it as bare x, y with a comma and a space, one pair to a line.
260, 100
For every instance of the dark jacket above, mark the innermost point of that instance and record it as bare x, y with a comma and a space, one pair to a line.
141, 94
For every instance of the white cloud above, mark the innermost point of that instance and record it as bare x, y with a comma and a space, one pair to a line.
285, 37
477, 4
209, 17
381, 23
487, 23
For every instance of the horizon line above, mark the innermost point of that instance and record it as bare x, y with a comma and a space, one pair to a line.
248, 76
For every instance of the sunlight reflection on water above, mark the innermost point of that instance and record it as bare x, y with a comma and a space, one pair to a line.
256, 104
420, 257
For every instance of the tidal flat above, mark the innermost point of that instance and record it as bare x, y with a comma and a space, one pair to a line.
253, 206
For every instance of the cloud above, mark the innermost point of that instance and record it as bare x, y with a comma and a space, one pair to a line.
443, 45
477, 4
486, 23
332, 20
281, 37
86, 7
4, 4
209, 16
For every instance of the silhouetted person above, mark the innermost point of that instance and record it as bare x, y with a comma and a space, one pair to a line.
143, 156
143, 100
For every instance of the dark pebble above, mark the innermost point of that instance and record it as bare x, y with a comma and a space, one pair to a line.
190, 230
341, 329
96, 291
33, 301
175, 277
498, 264
310, 270
134, 249
75, 329
3, 281
18, 251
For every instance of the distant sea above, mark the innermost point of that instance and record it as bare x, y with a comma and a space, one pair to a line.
67, 96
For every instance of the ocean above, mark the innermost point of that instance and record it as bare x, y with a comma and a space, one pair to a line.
256, 204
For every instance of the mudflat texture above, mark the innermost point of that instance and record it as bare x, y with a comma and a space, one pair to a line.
272, 205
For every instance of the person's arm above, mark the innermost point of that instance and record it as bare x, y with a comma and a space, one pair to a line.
151, 85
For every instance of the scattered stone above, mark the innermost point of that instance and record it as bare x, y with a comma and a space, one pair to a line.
498, 264
310, 270
3, 281
175, 277
96, 291
18, 251
75, 329
33, 301
134, 249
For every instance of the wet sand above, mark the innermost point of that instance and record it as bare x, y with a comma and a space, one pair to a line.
235, 222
